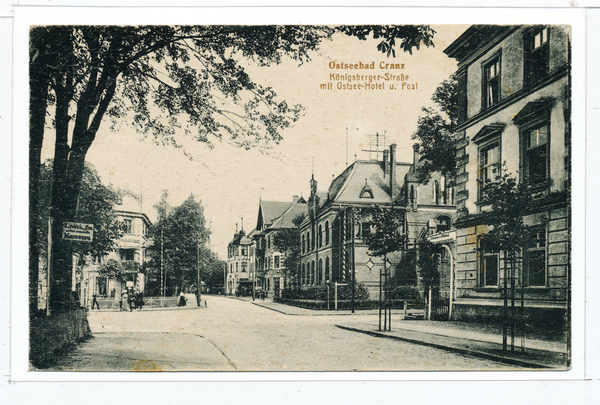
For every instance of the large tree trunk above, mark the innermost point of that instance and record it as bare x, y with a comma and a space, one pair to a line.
38, 103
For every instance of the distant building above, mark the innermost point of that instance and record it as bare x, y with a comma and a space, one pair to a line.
332, 236
514, 107
240, 261
130, 252
273, 217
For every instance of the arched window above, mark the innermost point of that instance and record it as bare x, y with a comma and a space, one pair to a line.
327, 233
436, 192
327, 269
412, 195
303, 275
320, 272
303, 241
320, 235
308, 241
312, 273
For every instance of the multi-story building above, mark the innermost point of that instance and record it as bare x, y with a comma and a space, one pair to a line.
240, 261
275, 217
130, 253
514, 106
333, 248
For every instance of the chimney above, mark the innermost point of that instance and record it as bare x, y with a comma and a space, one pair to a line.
393, 182
386, 163
416, 157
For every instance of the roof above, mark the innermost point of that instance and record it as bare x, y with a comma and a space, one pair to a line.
287, 219
240, 238
269, 211
473, 38
133, 214
365, 174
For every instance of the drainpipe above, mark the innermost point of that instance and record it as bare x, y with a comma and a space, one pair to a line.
451, 281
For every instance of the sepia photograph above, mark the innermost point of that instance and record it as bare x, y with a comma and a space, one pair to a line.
293, 198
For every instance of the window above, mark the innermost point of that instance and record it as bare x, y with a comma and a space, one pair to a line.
537, 55
308, 241
327, 269
244, 251
320, 235
365, 229
536, 154
303, 275
488, 270
442, 224
276, 261
535, 262
127, 254
128, 226
312, 273
268, 242
303, 243
489, 165
491, 85
244, 267
320, 272
237, 267
327, 233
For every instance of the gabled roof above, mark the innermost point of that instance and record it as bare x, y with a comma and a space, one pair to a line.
269, 211
286, 220
347, 187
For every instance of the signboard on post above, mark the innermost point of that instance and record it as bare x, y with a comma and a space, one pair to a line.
78, 232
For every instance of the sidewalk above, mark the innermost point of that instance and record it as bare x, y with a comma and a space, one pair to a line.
472, 339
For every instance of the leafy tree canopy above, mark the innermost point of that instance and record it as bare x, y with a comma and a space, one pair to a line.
95, 206
385, 236
436, 134
509, 201
183, 236
287, 241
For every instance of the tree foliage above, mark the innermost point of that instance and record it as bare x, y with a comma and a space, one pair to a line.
183, 237
287, 241
436, 134
428, 260
95, 204
171, 83
508, 201
385, 236
112, 270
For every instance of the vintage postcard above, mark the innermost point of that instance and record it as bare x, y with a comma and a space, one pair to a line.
283, 197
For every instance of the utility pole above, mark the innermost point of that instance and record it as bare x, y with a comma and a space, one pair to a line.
49, 276
199, 276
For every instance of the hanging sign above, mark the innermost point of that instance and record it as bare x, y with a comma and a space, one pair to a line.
78, 232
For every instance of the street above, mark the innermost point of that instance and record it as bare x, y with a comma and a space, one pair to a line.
232, 335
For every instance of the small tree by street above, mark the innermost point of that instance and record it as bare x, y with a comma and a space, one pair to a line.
287, 241
508, 201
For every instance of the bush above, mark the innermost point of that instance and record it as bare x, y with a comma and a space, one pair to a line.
406, 293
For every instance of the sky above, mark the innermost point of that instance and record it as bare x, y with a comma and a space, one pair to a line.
230, 181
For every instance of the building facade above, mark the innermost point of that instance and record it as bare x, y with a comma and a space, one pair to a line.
333, 247
275, 217
514, 107
131, 253
240, 262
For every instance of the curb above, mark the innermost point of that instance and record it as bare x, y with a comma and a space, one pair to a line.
467, 352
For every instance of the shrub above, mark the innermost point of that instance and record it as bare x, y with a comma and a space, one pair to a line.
406, 293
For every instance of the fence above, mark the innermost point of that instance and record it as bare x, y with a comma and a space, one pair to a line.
150, 302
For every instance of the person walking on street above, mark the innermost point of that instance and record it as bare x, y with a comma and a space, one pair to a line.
139, 300
95, 302
181, 299
130, 300
124, 297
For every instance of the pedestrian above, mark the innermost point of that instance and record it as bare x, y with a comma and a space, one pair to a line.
139, 300
181, 299
130, 300
123, 301
95, 302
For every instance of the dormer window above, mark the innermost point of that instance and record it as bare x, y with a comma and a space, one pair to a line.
366, 191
